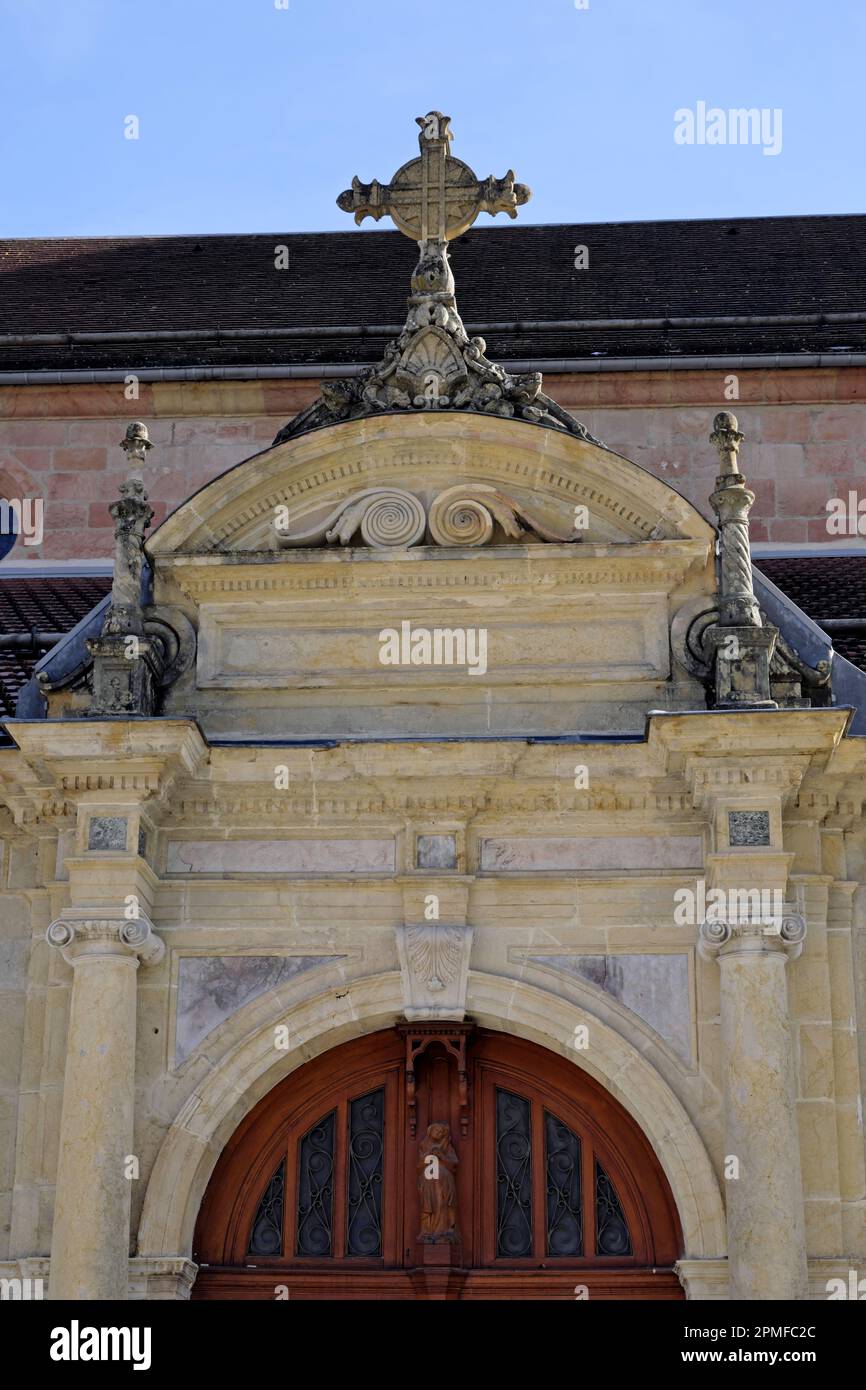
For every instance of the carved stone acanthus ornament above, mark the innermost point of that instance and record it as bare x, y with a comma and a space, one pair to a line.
719, 937
434, 961
434, 364
465, 515
80, 937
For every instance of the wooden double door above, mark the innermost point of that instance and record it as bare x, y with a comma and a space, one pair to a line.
553, 1192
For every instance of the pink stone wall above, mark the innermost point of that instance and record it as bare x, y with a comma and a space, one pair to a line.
805, 443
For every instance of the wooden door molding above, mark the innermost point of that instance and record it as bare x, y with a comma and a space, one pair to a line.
272, 1132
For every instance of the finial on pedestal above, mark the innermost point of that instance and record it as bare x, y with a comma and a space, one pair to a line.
126, 665
743, 644
727, 437
136, 442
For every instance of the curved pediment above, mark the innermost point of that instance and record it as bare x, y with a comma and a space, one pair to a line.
541, 485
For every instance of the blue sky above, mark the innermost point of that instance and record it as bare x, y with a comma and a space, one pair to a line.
253, 118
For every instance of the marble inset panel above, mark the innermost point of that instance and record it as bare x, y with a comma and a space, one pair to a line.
280, 856
748, 828
212, 988
436, 852
106, 832
600, 852
653, 986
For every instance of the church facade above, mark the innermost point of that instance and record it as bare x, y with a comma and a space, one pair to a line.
437, 868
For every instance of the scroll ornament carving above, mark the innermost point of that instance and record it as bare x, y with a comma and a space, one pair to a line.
794, 682
464, 515
790, 934
87, 936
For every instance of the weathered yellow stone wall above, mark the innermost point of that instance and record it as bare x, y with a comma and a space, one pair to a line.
640, 800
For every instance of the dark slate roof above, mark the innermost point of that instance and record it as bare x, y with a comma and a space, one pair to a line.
831, 587
41, 604
507, 275
823, 586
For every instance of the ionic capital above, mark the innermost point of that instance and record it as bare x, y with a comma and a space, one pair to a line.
86, 938
718, 937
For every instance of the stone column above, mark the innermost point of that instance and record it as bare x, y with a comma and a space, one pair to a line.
90, 1242
766, 1236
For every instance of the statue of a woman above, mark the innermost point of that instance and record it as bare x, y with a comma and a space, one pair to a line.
437, 1190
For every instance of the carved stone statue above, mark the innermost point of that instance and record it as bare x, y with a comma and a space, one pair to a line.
437, 1188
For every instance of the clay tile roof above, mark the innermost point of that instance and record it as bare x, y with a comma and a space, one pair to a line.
43, 604
521, 275
831, 586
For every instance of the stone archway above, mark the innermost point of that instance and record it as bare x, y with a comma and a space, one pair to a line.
208, 1118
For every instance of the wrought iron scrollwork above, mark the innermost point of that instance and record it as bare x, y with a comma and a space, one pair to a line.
513, 1176
612, 1234
266, 1235
365, 1150
316, 1191
562, 1158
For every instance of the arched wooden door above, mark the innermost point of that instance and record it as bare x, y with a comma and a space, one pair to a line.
555, 1192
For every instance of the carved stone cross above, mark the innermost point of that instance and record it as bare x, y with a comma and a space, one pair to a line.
435, 197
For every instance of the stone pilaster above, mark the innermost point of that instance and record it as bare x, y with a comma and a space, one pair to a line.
90, 1241
753, 932
766, 1236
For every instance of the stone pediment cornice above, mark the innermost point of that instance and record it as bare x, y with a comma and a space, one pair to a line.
544, 475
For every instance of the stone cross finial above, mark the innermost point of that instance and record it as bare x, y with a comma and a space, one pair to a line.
434, 364
435, 197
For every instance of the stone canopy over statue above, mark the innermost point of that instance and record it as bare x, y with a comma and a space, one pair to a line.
434, 364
